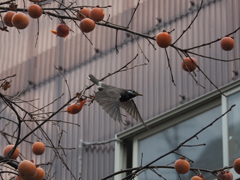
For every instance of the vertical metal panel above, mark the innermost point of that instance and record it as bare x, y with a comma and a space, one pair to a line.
78, 58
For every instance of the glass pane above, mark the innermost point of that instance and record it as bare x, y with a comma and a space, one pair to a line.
206, 157
234, 127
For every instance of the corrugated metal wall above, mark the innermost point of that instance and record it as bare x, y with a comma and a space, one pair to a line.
78, 59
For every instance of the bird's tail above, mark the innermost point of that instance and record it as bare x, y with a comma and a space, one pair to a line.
93, 79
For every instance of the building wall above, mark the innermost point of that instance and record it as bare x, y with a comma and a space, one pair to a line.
78, 58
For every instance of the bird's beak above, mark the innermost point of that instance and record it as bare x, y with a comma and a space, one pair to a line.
140, 94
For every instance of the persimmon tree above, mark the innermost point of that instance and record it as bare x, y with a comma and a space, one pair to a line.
86, 18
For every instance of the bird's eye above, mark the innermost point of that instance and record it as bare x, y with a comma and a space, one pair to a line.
130, 91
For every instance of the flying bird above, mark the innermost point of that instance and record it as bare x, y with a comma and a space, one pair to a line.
112, 99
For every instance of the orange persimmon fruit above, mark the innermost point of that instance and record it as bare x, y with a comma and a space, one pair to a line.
85, 12
188, 64
163, 39
197, 177
8, 148
8, 18
38, 148
87, 25
227, 43
27, 169
182, 166
40, 174
96, 14
62, 30
20, 20
76, 108
236, 165
225, 175
18, 178
34, 11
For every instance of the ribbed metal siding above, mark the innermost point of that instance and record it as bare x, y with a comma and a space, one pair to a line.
78, 58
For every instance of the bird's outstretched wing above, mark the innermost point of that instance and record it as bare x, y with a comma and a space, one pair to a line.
109, 103
131, 108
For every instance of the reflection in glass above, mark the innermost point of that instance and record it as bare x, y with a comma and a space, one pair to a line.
206, 157
234, 127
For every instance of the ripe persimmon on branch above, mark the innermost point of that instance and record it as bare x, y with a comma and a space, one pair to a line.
86, 19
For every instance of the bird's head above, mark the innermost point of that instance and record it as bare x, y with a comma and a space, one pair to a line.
133, 93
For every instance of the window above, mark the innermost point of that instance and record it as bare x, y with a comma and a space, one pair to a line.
231, 126
234, 127
208, 157
170, 129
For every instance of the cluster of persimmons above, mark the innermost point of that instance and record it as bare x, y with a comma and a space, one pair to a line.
182, 166
27, 170
164, 40
86, 16
87, 19
21, 20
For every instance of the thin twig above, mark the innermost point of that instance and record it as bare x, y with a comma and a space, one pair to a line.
169, 65
135, 9
194, 145
37, 35
216, 59
7, 77
141, 49
183, 156
64, 80
190, 23
127, 68
116, 42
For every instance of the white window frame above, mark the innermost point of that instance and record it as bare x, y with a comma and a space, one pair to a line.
171, 118
225, 136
